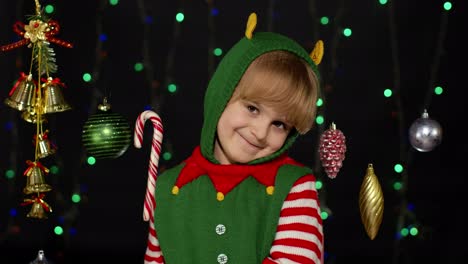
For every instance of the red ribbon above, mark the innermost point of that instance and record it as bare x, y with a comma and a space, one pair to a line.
33, 164
53, 28
44, 136
55, 81
37, 199
20, 79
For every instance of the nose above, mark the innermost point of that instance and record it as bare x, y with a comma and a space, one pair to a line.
260, 130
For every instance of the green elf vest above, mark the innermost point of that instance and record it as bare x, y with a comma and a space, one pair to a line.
193, 227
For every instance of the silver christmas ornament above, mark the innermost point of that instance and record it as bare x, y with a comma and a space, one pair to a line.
40, 259
425, 133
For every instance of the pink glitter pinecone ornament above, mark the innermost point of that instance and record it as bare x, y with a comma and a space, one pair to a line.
332, 150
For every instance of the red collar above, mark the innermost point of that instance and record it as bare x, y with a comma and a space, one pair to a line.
226, 177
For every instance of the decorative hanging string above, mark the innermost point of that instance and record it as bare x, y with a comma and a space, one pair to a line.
406, 152
169, 70
99, 58
211, 38
327, 78
70, 209
312, 7
155, 94
404, 158
436, 60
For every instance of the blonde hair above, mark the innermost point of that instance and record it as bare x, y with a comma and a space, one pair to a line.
284, 81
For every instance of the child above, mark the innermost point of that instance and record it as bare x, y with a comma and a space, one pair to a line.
239, 198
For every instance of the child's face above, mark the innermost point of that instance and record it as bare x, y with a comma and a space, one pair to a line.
249, 130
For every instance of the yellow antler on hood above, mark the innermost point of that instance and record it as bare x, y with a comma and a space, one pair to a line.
317, 54
251, 24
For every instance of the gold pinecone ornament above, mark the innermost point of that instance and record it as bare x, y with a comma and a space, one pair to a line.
371, 203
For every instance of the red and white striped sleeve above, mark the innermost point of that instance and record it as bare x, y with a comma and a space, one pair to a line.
299, 235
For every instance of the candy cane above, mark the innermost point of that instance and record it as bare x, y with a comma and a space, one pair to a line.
149, 205
153, 251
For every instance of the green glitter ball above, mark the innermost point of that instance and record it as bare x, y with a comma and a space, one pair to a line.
106, 134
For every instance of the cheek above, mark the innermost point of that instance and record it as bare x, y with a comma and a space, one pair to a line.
232, 119
278, 141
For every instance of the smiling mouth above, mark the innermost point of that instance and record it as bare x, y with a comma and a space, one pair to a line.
251, 144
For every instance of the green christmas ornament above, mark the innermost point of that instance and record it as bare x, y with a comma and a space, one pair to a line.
106, 134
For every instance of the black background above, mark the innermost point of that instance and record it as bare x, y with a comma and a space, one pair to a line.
355, 70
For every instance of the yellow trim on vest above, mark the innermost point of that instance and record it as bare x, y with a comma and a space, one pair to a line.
175, 190
270, 190
220, 196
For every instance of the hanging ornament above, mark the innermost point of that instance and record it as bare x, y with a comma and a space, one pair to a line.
425, 133
45, 148
106, 134
35, 182
332, 149
53, 101
40, 258
30, 116
38, 208
371, 203
36, 94
23, 94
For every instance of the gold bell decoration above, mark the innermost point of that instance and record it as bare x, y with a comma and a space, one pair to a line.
23, 94
39, 206
44, 147
30, 116
371, 203
35, 182
37, 94
54, 101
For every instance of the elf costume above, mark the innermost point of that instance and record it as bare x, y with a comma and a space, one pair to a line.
266, 211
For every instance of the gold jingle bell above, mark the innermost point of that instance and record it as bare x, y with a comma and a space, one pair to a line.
44, 146
54, 101
30, 116
23, 94
37, 211
35, 182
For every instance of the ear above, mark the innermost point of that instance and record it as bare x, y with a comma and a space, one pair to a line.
317, 54
251, 24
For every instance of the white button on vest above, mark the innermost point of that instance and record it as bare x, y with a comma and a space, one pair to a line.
222, 259
220, 229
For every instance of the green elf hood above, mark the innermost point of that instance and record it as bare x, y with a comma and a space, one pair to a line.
229, 72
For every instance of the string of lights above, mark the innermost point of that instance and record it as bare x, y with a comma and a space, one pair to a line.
328, 70
407, 221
